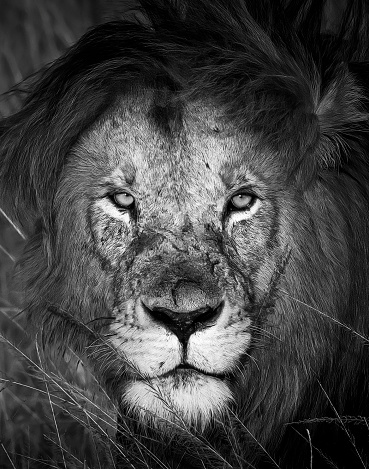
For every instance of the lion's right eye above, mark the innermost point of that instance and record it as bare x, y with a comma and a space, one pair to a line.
123, 200
242, 201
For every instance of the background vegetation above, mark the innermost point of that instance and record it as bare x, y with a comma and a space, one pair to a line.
36, 406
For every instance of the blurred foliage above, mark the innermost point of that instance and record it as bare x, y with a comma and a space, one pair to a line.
35, 32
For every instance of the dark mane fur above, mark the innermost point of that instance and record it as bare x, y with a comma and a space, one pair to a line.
248, 57
275, 68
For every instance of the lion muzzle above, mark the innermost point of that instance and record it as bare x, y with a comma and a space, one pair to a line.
183, 323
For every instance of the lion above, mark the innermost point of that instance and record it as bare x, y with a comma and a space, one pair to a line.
193, 182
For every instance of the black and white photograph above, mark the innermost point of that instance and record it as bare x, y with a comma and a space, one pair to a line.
184, 234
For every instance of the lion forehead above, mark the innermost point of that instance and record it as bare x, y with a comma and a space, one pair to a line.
127, 148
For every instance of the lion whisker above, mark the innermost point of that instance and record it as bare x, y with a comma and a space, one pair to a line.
264, 332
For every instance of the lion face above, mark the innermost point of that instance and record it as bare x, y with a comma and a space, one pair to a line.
183, 232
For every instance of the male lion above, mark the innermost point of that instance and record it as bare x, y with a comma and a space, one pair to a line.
194, 184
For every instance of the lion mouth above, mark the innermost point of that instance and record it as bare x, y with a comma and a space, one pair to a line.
184, 369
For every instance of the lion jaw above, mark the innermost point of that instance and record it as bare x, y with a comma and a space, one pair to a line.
189, 398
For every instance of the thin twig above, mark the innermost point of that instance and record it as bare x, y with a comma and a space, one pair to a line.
7, 253
311, 449
7, 454
12, 223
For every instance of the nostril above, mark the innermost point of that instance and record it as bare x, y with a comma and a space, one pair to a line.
210, 314
184, 324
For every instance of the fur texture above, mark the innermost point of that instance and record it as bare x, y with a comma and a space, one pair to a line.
186, 106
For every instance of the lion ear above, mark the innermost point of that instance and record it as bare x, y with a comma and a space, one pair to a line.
342, 116
341, 102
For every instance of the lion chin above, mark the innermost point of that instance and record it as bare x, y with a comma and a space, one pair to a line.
182, 397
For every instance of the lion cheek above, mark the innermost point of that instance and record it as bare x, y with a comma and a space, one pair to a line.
147, 353
219, 351
196, 400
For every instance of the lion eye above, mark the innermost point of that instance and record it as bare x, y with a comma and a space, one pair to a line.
124, 200
242, 201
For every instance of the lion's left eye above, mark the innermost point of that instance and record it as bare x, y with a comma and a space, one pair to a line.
242, 201
124, 200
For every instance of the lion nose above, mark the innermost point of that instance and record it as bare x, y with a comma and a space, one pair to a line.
184, 324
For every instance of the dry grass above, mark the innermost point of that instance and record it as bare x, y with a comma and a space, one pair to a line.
33, 33
36, 400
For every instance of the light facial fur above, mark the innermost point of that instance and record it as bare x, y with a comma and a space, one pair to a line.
181, 189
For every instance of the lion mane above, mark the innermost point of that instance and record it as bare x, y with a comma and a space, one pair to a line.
193, 181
